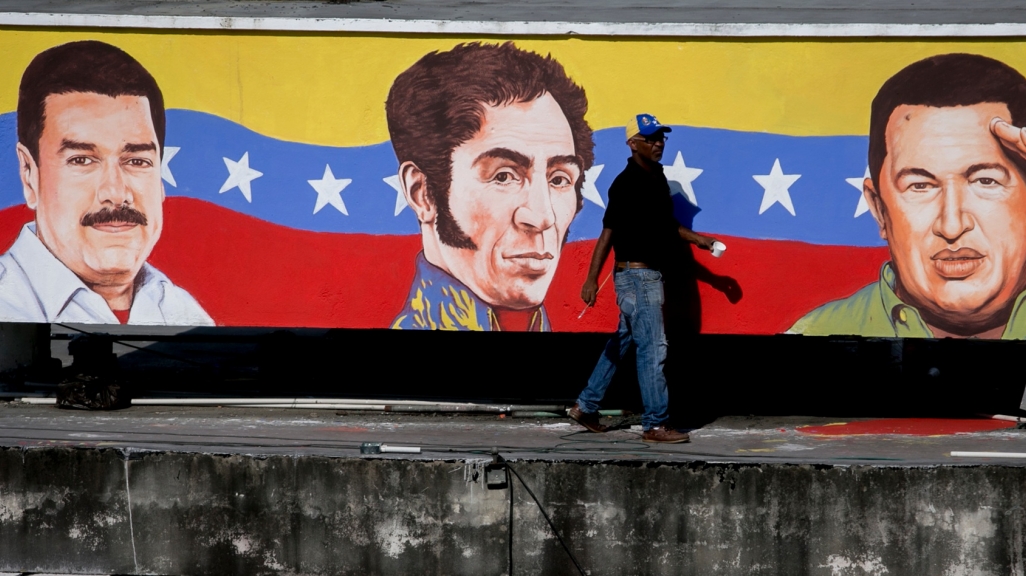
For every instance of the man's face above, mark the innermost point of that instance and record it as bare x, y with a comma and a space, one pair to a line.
513, 195
97, 191
649, 147
952, 208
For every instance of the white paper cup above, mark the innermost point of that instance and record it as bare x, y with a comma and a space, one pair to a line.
718, 248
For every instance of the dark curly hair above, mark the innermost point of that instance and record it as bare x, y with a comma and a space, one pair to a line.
438, 103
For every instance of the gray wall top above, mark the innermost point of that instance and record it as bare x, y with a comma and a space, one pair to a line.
546, 17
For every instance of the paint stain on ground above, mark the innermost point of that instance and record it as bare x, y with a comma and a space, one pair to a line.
908, 426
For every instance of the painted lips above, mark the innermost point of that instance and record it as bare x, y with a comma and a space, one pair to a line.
957, 264
114, 227
534, 263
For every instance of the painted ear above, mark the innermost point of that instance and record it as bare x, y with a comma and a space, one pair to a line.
414, 184
876, 207
28, 170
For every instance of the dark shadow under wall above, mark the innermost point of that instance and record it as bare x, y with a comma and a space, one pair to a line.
708, 375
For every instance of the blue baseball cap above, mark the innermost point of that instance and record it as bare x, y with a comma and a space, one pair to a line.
646, 125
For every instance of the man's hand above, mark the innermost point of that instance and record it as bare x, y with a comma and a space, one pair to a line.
1010, 137
589, 292
705, 242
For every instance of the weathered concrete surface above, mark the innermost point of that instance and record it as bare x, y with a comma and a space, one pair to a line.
67, 510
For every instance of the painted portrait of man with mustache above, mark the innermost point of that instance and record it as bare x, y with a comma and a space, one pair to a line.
90, 138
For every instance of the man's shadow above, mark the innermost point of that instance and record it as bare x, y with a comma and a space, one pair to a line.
682, 273
682, 312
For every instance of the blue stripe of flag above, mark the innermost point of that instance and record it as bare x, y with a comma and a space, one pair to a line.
728, 197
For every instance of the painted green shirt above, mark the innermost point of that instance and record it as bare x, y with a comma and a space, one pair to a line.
876, 311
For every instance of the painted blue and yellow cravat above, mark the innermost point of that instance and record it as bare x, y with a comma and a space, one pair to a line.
437, 301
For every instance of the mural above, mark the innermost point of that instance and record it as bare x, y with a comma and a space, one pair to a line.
946, 187
347, 181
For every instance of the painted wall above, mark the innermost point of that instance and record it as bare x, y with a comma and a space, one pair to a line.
292, 199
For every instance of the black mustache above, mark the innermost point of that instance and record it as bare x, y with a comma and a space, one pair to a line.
122, 214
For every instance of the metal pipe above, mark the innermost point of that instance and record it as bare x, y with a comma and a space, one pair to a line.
989, 454
1008, 418
536, 414
332, 404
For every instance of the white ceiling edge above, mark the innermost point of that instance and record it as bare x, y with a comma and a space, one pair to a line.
402, 26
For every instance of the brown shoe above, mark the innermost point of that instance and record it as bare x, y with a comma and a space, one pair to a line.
664, 435
589, 420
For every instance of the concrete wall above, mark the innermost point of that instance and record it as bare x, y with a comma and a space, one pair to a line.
92, 511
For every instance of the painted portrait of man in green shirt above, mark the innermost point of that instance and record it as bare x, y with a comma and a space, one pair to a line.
947, 188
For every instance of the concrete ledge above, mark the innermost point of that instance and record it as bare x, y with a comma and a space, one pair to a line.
116, 511
532, 17
515, 28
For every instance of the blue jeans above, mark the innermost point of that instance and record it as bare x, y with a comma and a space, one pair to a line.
639, 294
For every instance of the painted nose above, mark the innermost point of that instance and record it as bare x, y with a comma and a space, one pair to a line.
954, 220
112, 188
536, 213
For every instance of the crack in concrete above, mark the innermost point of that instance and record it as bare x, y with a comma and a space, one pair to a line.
131, 526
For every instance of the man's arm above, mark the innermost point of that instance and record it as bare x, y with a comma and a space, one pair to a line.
598, 260
695, 238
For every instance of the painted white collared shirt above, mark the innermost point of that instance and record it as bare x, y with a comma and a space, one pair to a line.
37, 287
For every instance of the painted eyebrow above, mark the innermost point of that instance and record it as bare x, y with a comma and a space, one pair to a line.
567, 159
978, 167
913, 171
147, 147
76, 145
505, 154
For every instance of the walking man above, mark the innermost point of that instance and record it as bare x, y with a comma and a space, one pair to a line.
639, 227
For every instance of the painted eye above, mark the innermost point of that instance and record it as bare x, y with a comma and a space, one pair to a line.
560, 181
921, 186
80, 160
987, 181
139, 162
505, 177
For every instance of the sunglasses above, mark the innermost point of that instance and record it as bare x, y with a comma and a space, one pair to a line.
653, 139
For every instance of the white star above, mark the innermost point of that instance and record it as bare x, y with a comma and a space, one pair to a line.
165, 170
329, 191
684, 176
240, 175
400, 198
589, 191
862, 208
775, 188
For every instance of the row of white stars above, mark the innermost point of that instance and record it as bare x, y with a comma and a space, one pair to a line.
776, 185
240, 175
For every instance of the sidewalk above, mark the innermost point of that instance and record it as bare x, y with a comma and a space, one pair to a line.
270, 431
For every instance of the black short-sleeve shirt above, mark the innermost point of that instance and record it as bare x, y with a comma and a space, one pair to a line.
640, 215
